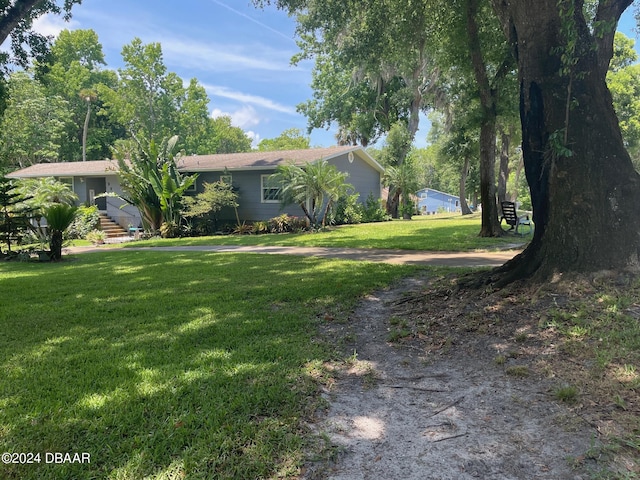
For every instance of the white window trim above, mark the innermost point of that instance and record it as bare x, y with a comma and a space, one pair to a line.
263, 186
69, 181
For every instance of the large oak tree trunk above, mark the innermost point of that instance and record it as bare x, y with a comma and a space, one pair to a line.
488, 97
503, 172
490, 225
585, 205
464, 206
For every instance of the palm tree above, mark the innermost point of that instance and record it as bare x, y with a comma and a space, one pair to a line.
314, 187
47, 191
59, 216
404, 182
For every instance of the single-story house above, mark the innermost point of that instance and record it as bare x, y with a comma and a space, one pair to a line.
432, 201
247, 172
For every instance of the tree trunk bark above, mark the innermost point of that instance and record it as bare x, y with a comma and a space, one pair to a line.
503, 172
55, 245
393, 201
490, 225
464, 207
584, 189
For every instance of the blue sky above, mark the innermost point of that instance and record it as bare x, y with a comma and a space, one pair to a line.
240, 54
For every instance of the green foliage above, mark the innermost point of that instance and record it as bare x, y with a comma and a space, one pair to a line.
169, 230
347, 210
151, 182
397, 146
73, 72
133, 357
86, 221
14, 214
402, 180
214, 197
261, 226
96, 237
59, 217
45, 191
17, 18
33, 123
624, 53
623, 80
369, 72
153, 103
373, 211
226, 138
286, 224
291, 139
315, 187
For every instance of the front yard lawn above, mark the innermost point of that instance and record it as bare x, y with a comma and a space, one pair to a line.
430, 233
165, 365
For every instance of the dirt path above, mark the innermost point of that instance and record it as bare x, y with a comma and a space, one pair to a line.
395, 413
409, 257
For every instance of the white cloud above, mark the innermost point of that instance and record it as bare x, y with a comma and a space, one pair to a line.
222, 58
246, 98
242, 118
202, 54
255, 138
246, 116
52, 25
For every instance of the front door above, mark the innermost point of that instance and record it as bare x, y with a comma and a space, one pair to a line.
96, 186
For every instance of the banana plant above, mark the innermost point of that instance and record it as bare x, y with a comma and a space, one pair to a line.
152, 182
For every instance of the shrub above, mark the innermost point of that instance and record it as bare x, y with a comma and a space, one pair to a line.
169, 230
373, 211
261, 227
87, 219
347, 210
242, 229
97, 237
279, 224
287, 224
298, 224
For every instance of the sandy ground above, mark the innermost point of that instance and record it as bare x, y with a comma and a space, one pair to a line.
409, 257
395, 412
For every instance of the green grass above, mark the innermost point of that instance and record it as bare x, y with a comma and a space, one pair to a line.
430, 233
164, 365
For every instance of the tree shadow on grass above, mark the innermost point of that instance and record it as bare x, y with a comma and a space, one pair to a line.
164, 363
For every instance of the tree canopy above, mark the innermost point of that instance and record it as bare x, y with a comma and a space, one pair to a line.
584, 189
291, 139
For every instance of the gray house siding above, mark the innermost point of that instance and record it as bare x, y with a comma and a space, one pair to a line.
364, 179
90, 179
250, 204
125, 216
118, 210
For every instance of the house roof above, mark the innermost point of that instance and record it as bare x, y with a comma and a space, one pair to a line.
204, 163
268, 160
67, 169
433, 190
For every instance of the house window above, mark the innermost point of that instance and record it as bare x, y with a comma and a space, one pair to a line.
67, 181
270, 192
226, 179
193, 187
